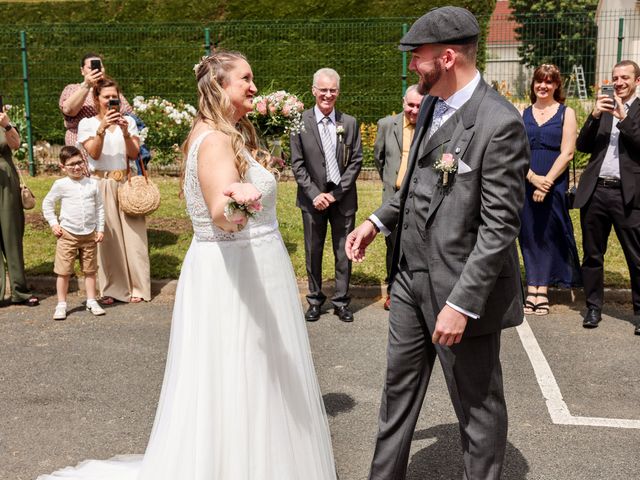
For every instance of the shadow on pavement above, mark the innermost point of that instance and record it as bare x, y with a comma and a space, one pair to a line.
337, 403
443, 458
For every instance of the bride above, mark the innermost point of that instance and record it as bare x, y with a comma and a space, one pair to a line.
240, 399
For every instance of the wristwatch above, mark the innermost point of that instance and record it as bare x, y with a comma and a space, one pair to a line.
8, 128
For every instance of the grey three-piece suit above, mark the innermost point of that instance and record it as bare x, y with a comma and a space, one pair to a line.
455, 243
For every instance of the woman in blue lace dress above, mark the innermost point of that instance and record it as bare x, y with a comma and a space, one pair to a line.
546, 237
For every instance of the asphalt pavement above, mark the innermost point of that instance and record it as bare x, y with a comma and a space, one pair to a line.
87, 388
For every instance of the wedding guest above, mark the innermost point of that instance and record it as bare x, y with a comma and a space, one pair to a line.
77, 103
326, 159
79, 229
12, 218
609, 191
110, 138
546, 235
391, 155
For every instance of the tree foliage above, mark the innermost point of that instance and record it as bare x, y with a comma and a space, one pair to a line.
555, 31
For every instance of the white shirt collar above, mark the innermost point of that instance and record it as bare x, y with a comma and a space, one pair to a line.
319, 115
461, 97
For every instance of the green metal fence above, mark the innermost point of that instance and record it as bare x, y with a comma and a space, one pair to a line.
157, 60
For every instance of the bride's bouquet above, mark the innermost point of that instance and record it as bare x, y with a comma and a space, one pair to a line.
277, 114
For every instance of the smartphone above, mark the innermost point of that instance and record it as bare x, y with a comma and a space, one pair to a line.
607, 90
1, 104
114, 104
96, 64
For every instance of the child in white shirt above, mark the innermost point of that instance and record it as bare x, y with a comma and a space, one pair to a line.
79, 229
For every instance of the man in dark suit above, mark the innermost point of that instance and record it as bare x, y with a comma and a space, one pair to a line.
456, 276
326, 159
609, 189
391, 156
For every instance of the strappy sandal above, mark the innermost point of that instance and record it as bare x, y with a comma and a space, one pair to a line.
542, 308
529, 306
106, 301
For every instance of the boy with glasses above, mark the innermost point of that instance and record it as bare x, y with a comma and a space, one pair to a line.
78, 230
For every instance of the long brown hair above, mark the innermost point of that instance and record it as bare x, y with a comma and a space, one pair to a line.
550, 72
215, 108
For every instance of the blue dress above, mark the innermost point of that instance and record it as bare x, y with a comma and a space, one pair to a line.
546, 236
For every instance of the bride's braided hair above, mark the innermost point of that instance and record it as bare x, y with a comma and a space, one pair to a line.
215, 108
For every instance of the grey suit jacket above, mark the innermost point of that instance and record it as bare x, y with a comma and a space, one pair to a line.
309, 167
387, 152
469, 229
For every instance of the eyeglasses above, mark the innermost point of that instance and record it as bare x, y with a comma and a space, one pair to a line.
325, 91
74, 165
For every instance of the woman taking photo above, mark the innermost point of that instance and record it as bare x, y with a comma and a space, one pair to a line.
110, 139
11, 218
240, 398
76, 100
546, 236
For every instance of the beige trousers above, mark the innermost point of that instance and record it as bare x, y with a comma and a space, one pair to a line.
123, 256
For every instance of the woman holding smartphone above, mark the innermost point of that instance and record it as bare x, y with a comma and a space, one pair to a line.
75, 101
110, 139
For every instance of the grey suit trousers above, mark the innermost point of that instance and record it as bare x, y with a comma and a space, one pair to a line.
474, 379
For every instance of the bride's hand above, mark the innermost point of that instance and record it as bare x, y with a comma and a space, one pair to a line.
243, 193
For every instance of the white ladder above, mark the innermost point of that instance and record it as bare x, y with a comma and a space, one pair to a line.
581, 84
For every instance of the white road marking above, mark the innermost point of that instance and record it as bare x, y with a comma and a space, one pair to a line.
558, 409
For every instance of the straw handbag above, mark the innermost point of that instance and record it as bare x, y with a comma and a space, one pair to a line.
26, 195
138, 196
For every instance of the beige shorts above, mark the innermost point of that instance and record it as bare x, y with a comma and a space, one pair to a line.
70, 247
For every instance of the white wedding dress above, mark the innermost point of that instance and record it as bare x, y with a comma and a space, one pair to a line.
240, 398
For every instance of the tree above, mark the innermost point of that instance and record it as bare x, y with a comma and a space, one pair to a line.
561, 32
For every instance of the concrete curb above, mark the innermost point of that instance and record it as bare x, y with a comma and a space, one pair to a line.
167, 288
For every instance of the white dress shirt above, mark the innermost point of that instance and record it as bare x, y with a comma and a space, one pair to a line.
81, 210
331, 125
611, 164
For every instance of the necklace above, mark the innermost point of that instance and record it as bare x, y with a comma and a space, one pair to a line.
546, 110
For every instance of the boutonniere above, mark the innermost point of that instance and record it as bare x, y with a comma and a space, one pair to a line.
340, 132
446, 165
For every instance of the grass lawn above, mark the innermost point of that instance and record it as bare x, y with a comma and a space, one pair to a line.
169, 231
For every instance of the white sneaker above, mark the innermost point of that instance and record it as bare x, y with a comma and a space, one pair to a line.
60, 313
95, 308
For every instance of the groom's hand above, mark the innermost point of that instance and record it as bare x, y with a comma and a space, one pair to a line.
359, 240
450, 326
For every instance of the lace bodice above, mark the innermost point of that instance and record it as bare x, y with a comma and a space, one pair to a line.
262, 224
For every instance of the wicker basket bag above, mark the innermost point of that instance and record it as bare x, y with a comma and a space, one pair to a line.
138, 196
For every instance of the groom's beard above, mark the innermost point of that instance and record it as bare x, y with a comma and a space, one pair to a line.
429, 79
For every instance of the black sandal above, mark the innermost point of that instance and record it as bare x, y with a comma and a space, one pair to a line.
529, 306
32, 301
542, 308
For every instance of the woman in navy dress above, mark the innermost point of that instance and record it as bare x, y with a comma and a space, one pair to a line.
546, 237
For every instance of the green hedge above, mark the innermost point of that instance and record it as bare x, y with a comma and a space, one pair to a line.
156, 58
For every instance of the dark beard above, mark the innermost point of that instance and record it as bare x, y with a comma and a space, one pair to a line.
428, 80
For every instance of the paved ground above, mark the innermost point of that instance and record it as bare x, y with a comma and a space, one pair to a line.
87, 388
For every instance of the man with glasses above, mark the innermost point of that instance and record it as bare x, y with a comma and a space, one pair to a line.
391, 155
326, 159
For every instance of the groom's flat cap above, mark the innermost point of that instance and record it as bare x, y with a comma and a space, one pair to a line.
448, 25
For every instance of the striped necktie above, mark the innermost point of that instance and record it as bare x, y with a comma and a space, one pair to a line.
333, 172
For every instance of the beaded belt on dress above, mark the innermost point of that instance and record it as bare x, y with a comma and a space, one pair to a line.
117, 175
206, 234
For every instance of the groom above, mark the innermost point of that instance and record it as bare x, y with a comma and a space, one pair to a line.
456, 273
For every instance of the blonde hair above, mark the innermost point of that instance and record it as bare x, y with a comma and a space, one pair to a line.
215, 108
